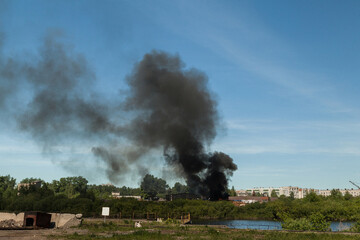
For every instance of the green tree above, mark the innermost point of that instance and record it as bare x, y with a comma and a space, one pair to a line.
31, 180
7, 191
179, 188
153, 186
347, 196
102, 191
292, 195
312, 197
232, 192
70, 186
336, 194
273, 193
7, 183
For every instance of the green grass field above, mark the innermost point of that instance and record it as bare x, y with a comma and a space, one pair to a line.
152, 230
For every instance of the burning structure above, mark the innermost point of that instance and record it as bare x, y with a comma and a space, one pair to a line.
166, 106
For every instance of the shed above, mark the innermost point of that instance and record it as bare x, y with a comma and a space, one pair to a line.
37, 220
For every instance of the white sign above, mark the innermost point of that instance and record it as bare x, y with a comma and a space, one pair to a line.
105, 211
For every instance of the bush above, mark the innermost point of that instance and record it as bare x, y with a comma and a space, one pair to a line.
171, 221
316, 222
319, 223
301, 224
355, 227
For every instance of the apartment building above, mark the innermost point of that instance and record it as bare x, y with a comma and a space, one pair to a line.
289, 190
268, 191
353, 192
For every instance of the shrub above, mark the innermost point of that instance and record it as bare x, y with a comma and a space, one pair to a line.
316, 222
355, 227
301, 224
171, 221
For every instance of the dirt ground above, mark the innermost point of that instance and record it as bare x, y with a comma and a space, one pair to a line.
40, 234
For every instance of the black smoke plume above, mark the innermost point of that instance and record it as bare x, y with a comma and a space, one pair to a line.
167, 107
176, 111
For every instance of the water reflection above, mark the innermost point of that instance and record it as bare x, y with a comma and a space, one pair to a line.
264, 225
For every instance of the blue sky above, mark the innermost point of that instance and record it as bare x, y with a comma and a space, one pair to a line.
285, 74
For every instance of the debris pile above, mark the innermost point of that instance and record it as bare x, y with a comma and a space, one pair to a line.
11, 220
66, 220
38, 220
10, 223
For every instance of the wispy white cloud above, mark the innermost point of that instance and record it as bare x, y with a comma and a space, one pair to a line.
248, 43
291, 137
296, 81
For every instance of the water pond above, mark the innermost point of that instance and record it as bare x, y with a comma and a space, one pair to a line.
264, 225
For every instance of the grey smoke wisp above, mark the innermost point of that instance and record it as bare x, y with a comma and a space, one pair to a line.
61, 106
9, 73
167, 107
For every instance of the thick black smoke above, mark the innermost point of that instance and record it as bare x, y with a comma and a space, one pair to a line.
167, 107
176, 111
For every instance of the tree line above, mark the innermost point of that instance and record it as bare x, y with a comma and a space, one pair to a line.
75, 195
73, 187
